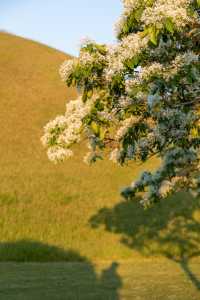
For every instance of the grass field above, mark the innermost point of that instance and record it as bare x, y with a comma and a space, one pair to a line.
139, 280
73, 212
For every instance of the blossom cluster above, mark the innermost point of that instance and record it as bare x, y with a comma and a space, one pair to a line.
181, 60
154, 12
117, 55
67, 68
126, 125
115, 155
129, 7
133, 44
56, 153
140, 98
173, 10
125, 101
160, 70
154, 69
86, 58
155, 185
63, 131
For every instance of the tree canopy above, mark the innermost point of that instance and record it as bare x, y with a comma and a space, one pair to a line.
139, 97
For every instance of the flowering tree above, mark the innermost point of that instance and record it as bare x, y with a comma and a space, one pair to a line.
139, 97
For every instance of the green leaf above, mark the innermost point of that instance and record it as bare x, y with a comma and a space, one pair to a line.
194, 74
89, 94
153, 33
102, 133
95, 128
145, 32
84, 97
138, 14
169, 25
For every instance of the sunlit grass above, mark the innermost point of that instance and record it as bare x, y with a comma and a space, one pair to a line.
38, 200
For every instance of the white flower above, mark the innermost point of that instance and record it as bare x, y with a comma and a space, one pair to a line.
180, 61
132, 83
165, 188
67, 68
151, 70
126, 124
175, 10
86, 58
105, 115
125, 101
115, 155
117, 55
64, 131
58, 154
129, 7
88, 158
160, 70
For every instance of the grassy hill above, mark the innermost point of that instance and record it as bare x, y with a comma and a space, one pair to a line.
39, 200
73, 212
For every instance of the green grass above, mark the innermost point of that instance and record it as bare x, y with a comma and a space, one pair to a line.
73, 212
41, 201
140, 280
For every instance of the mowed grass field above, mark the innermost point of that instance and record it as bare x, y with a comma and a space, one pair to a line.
72, 212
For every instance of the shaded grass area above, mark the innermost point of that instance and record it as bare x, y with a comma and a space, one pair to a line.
53, 280
170, 229
34, 251
142, 280
57, 278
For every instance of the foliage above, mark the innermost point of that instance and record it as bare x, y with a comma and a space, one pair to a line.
140, 97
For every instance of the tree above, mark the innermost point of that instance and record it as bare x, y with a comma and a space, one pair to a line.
139, 97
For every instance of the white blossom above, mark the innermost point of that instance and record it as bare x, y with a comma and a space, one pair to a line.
165, 188
67, 68
63, 131
58, 154
117, 55
126, 124
115, 155
87, 59
179, 62
174, 10
141, 96
161, 70
125, 101
129, 7
89, 157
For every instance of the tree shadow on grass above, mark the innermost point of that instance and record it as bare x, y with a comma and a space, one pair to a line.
76, 279
34, 251
170, 229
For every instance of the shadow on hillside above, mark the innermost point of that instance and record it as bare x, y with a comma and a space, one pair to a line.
170, 229
34, 251
76, 279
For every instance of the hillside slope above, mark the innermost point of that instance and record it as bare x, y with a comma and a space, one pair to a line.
38, 200
71, 205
